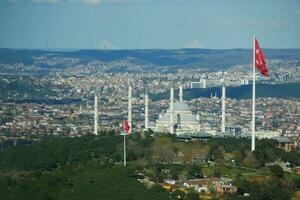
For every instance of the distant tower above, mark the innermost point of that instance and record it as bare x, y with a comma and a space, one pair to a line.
172, 110
96, 115
146, 111
130, 106
202, 82
80, 109
181, 92
223, 104
104, 46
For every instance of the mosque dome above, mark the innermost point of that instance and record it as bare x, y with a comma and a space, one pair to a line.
184, 120
180, 106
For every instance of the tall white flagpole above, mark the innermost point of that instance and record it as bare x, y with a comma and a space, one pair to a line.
253, 101
124, 149
130, 106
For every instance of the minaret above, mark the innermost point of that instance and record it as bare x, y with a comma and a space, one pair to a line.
96, 115
223, 105
181, 92
130, 106
172, 110
146, 111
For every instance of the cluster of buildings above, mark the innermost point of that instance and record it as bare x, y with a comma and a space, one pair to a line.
35, 120
215, 116
109, 92
179, 118
206, 186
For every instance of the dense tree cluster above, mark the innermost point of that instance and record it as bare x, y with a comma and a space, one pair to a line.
88, 167
52, 152
269, 189
266, 151
91, 181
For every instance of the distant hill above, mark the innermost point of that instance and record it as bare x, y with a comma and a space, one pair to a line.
288, 91
151, 59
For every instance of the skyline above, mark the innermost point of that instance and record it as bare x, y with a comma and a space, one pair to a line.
148, 24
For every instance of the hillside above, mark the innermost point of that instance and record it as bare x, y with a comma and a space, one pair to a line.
137, 60
90, 167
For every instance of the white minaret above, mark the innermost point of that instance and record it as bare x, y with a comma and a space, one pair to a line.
172, 110
80, 109
130, 106
96, 115
223, 104
146, 111
181, 92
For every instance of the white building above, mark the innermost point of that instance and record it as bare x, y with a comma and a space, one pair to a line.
184, 121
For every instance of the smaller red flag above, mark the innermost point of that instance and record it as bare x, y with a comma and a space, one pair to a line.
260, 61
126, 126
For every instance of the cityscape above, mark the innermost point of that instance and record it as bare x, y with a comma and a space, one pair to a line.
188, 122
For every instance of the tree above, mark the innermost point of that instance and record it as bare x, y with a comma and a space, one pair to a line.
177, 194
237, 156
251, 161
162, 150
276, 170
175, 170
297, 183
191, 196
217, 173
195, 171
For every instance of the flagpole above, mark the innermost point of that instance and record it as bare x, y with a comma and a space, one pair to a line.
253, 101
124, 149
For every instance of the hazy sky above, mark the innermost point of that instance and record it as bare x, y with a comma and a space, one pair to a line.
135, 24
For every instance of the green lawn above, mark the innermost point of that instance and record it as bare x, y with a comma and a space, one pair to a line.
229, 171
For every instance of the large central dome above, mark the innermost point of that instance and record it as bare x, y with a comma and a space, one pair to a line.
182, 118
180, 106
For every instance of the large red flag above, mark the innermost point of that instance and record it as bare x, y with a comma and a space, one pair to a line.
260, 61
126, 126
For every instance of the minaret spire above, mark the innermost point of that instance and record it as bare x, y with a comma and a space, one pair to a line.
181, 92
223, 105
172, 109
146, 110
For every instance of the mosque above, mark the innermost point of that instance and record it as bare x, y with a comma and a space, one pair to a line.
179, 118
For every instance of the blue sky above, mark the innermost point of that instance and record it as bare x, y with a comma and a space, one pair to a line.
143, 24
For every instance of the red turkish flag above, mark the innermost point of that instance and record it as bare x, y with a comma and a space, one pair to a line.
126, 126
260, 61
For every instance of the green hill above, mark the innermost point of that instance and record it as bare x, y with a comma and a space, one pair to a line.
90, 167
91, 181
148, 59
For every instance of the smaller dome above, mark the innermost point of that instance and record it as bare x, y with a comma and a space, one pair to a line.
180, 106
